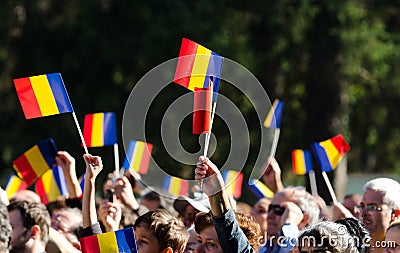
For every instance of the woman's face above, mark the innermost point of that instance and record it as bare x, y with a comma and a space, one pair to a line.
208, 242
260, 213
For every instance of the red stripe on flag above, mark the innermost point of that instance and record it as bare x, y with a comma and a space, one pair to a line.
90, 244
41, 192
144, 162
340, 144
23, 166
238, 185
202, 110
87, 129
187, 55
184, 188
27, 98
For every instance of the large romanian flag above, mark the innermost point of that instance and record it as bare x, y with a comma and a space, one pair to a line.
51, 185
233, 182
301, 161
329, 153
42, 95
274, 116
99, 129
176, 186
138, 156
198, 67
14, 184
36, 161
117, 241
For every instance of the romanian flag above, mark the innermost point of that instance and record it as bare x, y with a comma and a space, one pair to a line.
117, 241
329, 153
202, 111
274, 116
36, 161
14, 184
99, 129
176, 186
138, 156
51, 185
301, 161
233, 182
42, 95
198, 67
260, 189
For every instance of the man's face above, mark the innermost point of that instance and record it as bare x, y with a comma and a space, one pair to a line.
145, 240
376, 219
20, 234
274, 219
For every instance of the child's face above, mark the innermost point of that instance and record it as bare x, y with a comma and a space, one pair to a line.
145, 240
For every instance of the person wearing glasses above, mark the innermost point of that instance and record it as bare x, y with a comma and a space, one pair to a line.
379, 207
392, 238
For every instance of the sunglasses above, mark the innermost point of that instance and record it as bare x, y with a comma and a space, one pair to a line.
368, 208
277, 209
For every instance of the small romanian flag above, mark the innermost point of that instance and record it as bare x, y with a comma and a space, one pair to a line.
329, 153
198, 67
274, 116
42, 95
117, 241
138, 157
260, 189
99, 129
36, 161
176, 186
202, 111
14, 184
233, 182
51, 185
301, 161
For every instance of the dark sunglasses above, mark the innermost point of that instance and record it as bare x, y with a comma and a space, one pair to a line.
277, 209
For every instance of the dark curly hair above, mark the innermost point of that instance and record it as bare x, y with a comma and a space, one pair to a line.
5, 228
358, 231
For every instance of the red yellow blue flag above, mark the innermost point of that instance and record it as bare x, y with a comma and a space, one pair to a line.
42, 95
176, 186
260, 189
233, 182
36, 161
301, 161
274, 116
329, 153
138, 157
14, 184
51, 185
117, 241
99, 129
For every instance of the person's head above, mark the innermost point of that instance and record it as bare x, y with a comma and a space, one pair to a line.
297, 195
5, 229
25, 195
347, 236
250, 228
260, 213
151, 200
158, 231
392, 238
350, 201
30, 226
380, 205
207, 241
67, 221
191, 244
188, 208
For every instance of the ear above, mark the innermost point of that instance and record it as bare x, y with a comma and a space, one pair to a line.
35, 231
304, 222
168, 250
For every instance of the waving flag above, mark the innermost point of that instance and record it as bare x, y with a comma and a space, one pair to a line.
233, 182
42, 95
117, 241
274, 116
99, 129
14, 184
260, 189
198, 67
176, 186
301, 161
36, 161
51, 185
202, 111
138, 156
329, 153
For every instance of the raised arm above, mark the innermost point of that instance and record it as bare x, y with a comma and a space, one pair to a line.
67, 163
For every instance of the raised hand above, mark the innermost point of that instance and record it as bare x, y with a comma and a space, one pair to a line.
209, 173
272, 176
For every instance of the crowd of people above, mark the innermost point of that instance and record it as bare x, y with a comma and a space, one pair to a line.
210, 221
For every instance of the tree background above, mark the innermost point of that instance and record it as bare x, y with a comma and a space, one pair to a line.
333, 63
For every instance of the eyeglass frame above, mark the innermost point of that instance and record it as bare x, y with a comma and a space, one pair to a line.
369, 207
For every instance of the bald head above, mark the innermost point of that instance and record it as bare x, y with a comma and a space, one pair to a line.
25, 195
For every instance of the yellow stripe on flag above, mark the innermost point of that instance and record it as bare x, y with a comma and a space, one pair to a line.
97, 130
268, 120
175, 186
13, 186
332, 153
200, 67
230, 181
137, 156
107, 242
36, 160
299, 162
264, 189
50, 186
44, 95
